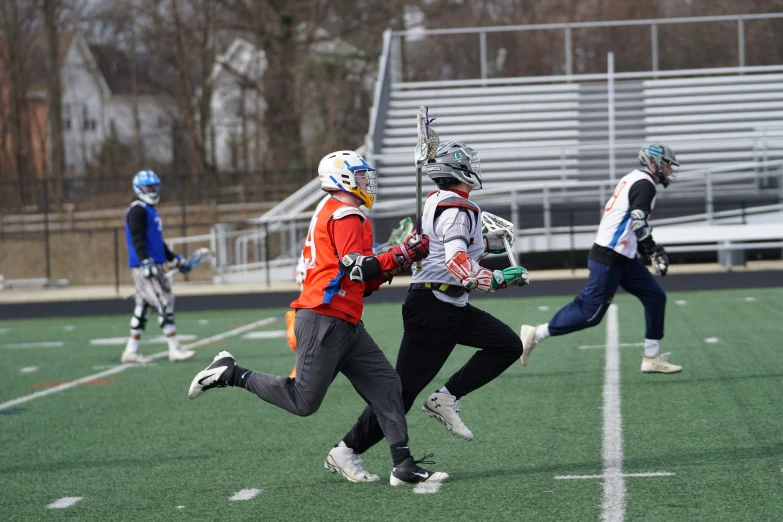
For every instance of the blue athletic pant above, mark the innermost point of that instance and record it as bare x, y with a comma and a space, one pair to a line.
588, 308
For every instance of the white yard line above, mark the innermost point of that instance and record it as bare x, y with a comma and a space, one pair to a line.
268, 334
44, 344
245, 494
121, 341
64, 502
613, 507
118, 369
594, 346
625, 475
28, 369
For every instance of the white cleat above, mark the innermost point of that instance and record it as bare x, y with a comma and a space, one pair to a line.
181, 354
134, 357
528, 335
347, 463
659, 364
445, 408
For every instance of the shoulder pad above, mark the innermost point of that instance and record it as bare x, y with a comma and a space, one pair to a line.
457, 201
346, 211
136, 203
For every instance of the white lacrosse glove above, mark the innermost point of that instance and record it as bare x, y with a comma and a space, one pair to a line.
149, 268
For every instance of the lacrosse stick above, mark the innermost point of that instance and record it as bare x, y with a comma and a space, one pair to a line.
195, 259
397, 236
426, 148
490, 222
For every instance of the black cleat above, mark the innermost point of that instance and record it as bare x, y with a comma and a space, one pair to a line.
409, 472
215, 375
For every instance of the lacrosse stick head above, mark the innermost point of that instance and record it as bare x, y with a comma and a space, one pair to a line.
428, 141
491, 222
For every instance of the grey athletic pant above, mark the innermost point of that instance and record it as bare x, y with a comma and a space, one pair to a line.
155, 292
326, 345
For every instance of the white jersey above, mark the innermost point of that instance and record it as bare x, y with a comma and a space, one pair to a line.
615, 232
441, 208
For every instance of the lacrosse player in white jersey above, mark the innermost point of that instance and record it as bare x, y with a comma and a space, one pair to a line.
436, 314
614, 262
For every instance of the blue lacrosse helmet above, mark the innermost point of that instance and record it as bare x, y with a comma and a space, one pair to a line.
146, 185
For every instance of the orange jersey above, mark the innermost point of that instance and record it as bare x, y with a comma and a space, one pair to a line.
338, 229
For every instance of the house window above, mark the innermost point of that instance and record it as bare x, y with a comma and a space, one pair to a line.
66, 117
88, 122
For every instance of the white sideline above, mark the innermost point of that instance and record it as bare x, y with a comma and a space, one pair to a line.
123, 367
427, 487
613, 507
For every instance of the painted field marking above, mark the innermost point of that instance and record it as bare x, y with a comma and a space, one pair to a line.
427, 487
69, 328
64, 502
613, 507
44, 344
711, 340
625, 475
117, 341
28, 369
621, 345
203, 321
123, 367
245, 494
272, 334
681, 302
750, 299
4, 330
543, 308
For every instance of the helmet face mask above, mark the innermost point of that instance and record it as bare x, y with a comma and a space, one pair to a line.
455, 160
347, 171
146, 185
660, 160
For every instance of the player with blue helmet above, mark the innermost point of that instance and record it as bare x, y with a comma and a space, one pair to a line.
147, 252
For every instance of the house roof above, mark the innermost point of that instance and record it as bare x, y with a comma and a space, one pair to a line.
115, 66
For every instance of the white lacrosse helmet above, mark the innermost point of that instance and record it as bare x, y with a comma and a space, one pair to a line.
347, 171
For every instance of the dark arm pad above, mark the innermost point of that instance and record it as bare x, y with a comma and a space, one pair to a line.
360, 268
137, 223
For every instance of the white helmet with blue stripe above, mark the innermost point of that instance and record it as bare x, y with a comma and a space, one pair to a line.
146, 185
347, 171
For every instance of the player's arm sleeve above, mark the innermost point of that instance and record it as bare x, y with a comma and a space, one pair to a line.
640, 197
137, 223
347, 238
169, 254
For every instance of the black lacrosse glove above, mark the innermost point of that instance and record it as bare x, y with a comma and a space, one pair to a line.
659, 260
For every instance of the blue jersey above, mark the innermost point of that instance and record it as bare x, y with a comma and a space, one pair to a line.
153, 236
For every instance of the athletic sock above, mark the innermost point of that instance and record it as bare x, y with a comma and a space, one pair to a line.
444, 390
399, 453
542, 332
239, 377
171, 337
132, 346
651, 347
341, 445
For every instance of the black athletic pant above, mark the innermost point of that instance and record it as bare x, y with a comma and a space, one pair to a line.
432, 330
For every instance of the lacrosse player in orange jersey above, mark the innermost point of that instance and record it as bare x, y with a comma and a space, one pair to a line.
330, 336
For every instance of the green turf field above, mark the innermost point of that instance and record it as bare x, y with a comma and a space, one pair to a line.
136, 448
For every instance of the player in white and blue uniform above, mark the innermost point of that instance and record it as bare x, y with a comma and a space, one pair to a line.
147, 253
613, 262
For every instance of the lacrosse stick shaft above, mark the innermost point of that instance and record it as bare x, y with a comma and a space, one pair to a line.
509, 253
